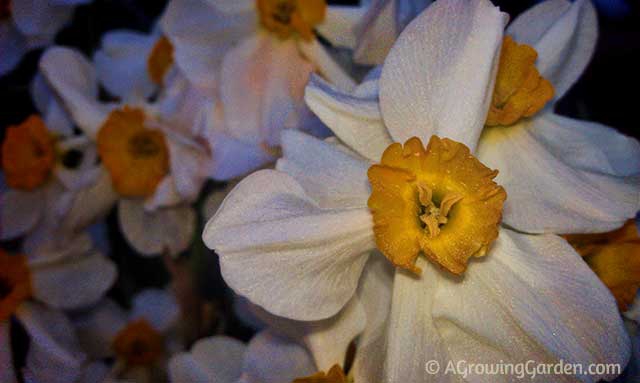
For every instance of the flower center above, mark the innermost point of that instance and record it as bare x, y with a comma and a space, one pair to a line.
160, 60
519, 91
15, 283
136, 157
139, 344
439, 201
286, 18
5, 9
335, 375
28, 154
615, 258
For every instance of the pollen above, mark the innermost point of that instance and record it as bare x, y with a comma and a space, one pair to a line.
136, 157
287, 18
139, 344
335, 375
28, 154
520, 91
160, 60
15, 283
438, 201
615, 258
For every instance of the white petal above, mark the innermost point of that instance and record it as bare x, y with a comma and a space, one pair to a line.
76, 283
154, 232
338, 25
202, 31
333, 178
98, 328
374, 293
40, 17
6, 358
564, 34
54, 354
74, 80
271, 359
189, 166
121, 63
376, 33
216, 359
563, 175
165, 195
325, 65
234, 158
95, 372
530, 298
262, 88
20, 212
354, 118
309, 259
438, 78
86, 173
47, 245
158, 307
12, 46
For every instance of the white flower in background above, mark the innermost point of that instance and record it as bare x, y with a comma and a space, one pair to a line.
33, 289
562, 175
26, 25
296, 239
268, 358
158, 155
139, 340
255, 57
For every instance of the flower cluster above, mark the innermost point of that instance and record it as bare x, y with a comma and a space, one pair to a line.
378, 186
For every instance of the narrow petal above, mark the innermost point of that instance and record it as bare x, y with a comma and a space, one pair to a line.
262, 88
158, 307
438, 77
216, 359
189, 166
339, 23
531, 298
54, 353
333, 178
98, 328
153, 232
325, 65
563, 175
202, 31
6, 358
75, 283
353, 116
40, 17
564, 34
91, 204
121, 63
272, 359
310, 258
19, 212
12, 45
74, 79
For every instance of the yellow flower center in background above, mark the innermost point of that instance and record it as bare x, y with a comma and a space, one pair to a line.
5, 9
615, 258
286, 18
28, 154
160, 60
15, 283
520, 91
438, 200
139, 344
136, 157
335, 375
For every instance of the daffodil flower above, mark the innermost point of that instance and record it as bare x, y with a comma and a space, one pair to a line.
268, 358
158, 155
139, 340
26, 25
295, 240
562, 175
256, 58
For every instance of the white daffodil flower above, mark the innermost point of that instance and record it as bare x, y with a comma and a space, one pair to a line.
158, 155
26, 25
268, 358
256, 58
139, 340
562, 175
